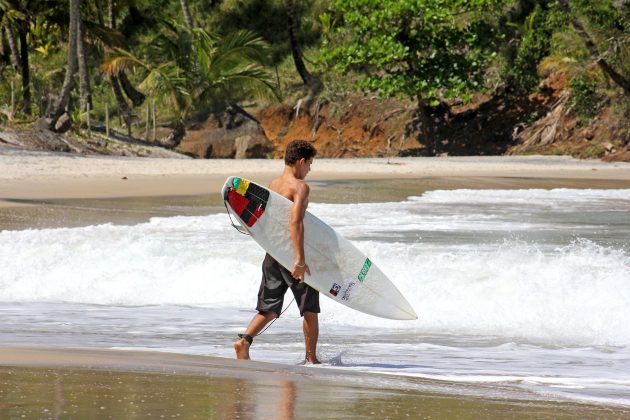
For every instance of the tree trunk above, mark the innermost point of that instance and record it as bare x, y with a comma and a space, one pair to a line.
123, 107
110, 14
428, 126
71, 70
594, 51
174, 138
137, 97
26, 77
187, 16
99, 12
124, 110
2, 52
15, 54
85, 92
617, 77
306, 76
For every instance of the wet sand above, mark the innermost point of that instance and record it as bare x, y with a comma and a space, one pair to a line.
39, 213
74, 383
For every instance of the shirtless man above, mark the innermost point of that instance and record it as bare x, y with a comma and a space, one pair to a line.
277, 279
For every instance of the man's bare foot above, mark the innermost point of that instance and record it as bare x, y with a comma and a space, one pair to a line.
241, 347
311, 360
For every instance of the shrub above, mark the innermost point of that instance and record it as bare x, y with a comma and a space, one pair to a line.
584, 97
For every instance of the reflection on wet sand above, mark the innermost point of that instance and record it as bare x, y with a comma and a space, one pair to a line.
27, 392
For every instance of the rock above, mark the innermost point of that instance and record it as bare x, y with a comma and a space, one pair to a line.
249, 146
245, 141
11, 138
608, 146
50, 141
63, 124
42, 123
173, 139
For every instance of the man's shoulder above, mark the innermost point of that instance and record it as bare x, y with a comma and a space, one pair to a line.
301, 187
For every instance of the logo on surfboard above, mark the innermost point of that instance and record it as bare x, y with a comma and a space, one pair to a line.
334, 290
366, 267
346, 292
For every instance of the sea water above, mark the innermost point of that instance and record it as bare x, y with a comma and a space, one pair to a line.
526, 288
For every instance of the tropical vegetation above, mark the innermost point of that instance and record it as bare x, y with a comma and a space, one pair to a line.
194, 58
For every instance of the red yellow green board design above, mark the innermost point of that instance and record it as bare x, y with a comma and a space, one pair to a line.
247, 199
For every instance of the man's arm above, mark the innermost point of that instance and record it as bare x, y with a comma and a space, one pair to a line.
300, 202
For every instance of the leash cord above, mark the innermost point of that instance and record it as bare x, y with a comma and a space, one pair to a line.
269, 325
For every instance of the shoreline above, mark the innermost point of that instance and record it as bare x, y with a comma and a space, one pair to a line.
44, 381
42, 176
69, 381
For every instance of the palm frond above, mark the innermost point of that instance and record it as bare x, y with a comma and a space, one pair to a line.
164, 80
12, 16
120, 60
251, 80
238, 47
108, 36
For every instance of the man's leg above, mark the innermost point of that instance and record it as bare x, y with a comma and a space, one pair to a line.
255, 326
311, 333
269, 305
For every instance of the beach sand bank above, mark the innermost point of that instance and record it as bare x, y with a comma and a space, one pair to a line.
59, 383
31, 175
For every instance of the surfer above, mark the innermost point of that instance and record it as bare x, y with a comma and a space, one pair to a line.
276, 279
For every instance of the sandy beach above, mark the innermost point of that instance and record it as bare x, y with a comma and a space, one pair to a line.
33, 175
53, 382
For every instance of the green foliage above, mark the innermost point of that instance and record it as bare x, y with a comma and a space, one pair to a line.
533, 38
424, 49
268, 19
594, 151
610, 29
239, 50
584, 97
192, 69
602, 14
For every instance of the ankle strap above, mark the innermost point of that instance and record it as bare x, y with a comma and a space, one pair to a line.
246, 337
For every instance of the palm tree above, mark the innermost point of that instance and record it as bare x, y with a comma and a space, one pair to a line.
292, 24
15, 54
195, 69
26, 68
64, 97
603, 64
17, 16
119, 79
2, 53
186, 11
85, 92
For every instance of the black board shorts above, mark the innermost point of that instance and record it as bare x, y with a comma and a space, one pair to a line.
275, 281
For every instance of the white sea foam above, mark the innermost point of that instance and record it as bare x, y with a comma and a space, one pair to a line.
568, 293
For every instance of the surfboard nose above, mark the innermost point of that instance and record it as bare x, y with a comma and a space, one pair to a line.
406, 312
228, 183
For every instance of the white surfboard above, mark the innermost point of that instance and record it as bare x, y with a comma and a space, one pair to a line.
338, 269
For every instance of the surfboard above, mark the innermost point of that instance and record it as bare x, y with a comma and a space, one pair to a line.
339, 270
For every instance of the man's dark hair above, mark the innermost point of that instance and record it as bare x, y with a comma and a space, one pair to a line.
297, 150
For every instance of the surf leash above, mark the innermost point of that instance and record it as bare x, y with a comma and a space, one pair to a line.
241, 229
274, 320
238, 228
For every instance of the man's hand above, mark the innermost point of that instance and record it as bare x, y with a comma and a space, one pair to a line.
299, 270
